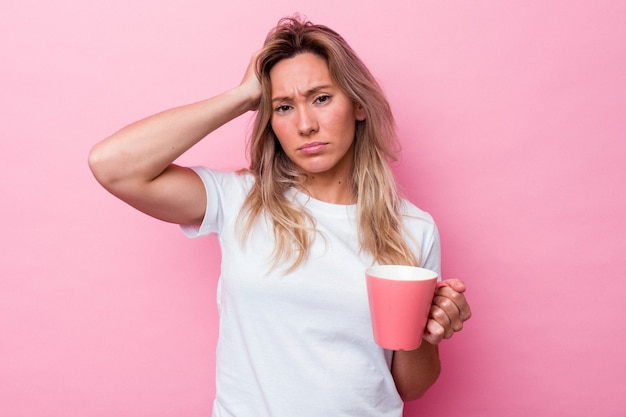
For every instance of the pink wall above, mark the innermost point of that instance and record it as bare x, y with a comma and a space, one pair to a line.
512, 119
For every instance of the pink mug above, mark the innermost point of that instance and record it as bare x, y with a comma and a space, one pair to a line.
400, 298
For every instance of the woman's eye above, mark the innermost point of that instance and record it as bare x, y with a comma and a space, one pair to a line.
282, 108
322, 99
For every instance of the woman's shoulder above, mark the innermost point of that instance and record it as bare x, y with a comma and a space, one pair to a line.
408, 210
417, 221
422, 229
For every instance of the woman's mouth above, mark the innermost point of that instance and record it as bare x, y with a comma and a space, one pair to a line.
312, 147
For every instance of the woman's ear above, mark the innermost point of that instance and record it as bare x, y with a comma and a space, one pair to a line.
359, 112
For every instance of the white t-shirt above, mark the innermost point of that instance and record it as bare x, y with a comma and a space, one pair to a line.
299, 344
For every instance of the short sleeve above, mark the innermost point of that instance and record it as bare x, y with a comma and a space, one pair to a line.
423, 236
431, 256
213, 217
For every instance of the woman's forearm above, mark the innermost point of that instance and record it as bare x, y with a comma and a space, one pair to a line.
415, 371
144, 149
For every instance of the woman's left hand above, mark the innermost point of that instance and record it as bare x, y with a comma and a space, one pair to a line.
448, 311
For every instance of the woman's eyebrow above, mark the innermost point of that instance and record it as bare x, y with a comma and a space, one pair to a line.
309, 92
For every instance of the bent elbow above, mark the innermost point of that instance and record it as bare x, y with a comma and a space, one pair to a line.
96, 163
414, 394
103, 166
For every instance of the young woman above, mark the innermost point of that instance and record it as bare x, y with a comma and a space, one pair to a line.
297, 229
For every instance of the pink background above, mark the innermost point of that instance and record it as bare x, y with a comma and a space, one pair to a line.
512, 119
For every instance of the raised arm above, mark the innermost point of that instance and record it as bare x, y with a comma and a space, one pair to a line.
135, 164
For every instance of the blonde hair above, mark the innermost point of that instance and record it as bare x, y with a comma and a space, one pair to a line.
381, 230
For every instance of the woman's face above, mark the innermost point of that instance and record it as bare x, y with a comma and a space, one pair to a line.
312, 118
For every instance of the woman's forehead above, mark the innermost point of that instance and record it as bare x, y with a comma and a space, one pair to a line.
301, 75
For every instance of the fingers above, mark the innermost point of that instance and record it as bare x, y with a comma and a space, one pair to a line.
252, 65
453, 291
251, 82
454, 283
434, 332
448, 312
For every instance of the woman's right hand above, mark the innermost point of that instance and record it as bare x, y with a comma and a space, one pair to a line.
250, 83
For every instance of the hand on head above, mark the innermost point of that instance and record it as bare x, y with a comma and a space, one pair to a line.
250, 82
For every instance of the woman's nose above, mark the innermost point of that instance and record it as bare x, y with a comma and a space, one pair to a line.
306, 122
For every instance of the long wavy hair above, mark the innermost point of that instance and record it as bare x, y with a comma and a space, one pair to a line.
381, 230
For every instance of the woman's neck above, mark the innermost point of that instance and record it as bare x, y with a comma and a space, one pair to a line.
330, 190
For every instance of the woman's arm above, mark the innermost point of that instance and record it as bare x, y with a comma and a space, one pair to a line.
417, 370
135, 164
